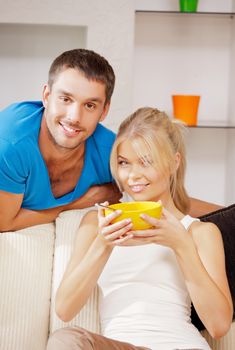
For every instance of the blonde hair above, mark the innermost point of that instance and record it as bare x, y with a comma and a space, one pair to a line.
163, 138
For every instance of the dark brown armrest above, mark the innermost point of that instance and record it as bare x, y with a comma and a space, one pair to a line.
199, 207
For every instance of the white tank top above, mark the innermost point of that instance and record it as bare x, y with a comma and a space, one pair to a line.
144, 299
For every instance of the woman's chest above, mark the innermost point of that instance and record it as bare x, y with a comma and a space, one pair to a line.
147, 263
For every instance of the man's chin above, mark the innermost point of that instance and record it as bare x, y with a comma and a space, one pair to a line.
64, 143
67, 145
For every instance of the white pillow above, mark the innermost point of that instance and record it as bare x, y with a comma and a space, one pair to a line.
25, 285
66, 227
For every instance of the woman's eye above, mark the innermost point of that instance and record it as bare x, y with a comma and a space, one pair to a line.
122, 163
146, 162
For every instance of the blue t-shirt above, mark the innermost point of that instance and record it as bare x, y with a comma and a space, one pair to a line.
22, 167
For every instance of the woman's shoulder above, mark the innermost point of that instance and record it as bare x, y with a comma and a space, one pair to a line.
204, 232
90, 217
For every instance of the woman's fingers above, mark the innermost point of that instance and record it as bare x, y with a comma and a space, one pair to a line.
144, 233
121, 240
117, 229
113, 232
106, 220
152, 221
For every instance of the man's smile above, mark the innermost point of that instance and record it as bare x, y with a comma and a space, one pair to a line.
69, 130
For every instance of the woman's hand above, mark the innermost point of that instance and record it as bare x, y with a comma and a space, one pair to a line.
117, 233
167, 231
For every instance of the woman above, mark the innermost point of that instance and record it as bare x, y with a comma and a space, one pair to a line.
147, 278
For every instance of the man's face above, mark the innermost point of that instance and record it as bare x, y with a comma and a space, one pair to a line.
73, 107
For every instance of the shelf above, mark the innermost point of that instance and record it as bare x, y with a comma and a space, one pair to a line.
212, 126
225, 14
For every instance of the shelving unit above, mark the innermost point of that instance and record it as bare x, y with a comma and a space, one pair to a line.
193, 53
198, 13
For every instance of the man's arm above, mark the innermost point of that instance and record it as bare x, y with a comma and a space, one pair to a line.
96, 194
199, 207
13, 217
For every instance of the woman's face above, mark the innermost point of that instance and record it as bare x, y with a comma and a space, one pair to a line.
138, 177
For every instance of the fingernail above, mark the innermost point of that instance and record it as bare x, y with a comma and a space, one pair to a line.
118, 211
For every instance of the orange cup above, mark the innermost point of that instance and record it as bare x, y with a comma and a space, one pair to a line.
185, 108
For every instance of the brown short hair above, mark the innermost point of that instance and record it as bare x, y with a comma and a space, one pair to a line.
91, 64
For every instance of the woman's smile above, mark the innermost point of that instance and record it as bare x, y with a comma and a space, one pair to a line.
139, 187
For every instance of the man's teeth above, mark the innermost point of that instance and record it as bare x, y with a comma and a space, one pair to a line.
67, 128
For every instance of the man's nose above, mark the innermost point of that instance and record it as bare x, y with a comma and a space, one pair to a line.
75, 113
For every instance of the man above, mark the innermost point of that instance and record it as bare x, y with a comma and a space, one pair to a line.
54, 154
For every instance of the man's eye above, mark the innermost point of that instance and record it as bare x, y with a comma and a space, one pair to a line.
64, 99
90, 106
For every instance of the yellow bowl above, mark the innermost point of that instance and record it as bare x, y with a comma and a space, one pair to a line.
133, 210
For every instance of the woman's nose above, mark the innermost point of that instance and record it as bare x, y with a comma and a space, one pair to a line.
135, 172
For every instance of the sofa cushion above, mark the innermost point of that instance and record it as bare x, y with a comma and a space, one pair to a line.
67, 225
25, 288
224, 343
225, 219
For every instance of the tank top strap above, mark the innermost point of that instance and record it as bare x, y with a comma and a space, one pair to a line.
188, 220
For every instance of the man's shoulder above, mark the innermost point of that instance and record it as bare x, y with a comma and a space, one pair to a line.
20, 119
104, 136
23, 107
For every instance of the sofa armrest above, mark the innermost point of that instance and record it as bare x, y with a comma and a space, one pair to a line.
25, 271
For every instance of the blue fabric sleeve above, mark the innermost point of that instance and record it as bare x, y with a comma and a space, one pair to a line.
12, 172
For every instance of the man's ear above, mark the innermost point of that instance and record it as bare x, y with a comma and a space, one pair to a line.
45, 95
105, 111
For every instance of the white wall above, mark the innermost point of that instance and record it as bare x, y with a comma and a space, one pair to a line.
173, 5
230, 168
26, 52
206, 165
109, 31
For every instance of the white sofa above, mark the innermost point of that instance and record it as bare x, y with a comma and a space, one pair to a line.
32, 262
